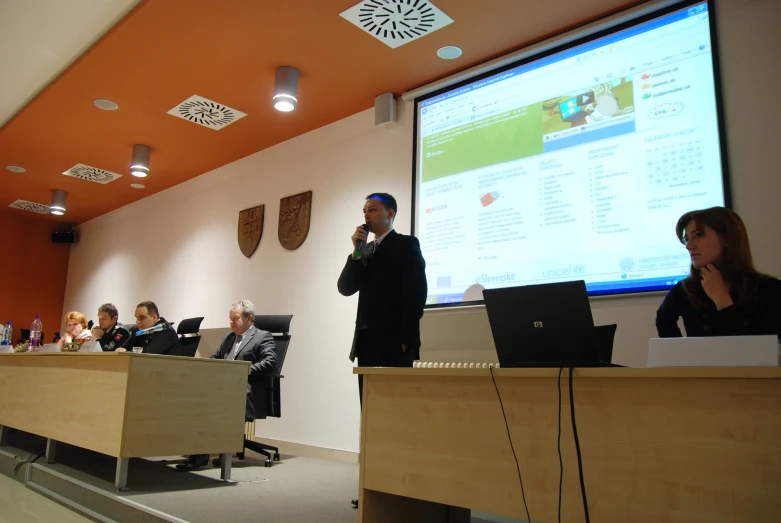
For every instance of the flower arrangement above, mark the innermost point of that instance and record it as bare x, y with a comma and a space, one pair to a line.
22, 347
71, 347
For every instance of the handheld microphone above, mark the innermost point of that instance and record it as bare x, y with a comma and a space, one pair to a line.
359, 245
155, 328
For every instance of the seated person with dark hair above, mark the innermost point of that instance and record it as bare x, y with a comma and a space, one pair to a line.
163, 341
245, 343
723, 295
108, 332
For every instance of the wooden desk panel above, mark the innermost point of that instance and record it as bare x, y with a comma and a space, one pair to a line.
74, 398
181, 406
658, 444
126, 405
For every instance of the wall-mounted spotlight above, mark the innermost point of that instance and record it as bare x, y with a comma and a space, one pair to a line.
58, 202
285, 89
140, 164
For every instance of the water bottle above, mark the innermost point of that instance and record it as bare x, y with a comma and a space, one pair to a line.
7, 335
35, 335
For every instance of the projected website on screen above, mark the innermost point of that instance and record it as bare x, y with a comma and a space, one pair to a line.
574, 166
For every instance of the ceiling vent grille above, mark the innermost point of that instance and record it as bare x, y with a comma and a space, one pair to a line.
91, 174
397, 22
30, 206
207, 113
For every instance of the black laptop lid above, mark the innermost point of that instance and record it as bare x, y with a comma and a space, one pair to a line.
541, 324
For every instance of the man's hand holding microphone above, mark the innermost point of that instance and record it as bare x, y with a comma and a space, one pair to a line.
359, 239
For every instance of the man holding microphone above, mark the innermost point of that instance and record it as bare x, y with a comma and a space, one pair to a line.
389, 275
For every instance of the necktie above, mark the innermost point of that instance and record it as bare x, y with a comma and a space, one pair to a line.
235, 350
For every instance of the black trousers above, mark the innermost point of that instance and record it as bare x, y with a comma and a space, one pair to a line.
375, 349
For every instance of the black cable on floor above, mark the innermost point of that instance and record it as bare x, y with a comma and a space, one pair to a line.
558, 444
38, 456
577, 447
507, 426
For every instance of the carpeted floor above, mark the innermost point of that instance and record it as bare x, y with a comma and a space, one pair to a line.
296, 489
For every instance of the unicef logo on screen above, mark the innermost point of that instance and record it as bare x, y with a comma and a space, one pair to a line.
569, 270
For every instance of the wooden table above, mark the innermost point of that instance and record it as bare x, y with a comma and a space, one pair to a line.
126, 405
662, 444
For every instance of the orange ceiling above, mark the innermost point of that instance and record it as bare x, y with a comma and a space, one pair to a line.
164, 51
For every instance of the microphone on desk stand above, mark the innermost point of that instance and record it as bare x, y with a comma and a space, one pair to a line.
155, 328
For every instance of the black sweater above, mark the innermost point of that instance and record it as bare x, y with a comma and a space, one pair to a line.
760, 316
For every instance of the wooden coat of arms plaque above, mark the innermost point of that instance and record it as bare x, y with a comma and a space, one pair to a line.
250, 229
294, 218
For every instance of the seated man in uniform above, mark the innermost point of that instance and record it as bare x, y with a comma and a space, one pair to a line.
108, 332
163, 340
245, 343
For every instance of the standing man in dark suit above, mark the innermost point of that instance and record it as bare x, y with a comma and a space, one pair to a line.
389, 275
245, 343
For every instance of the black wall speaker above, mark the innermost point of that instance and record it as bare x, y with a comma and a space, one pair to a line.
64, 237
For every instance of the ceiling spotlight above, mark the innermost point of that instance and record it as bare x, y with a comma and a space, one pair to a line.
140, 165
285, 89
106, 105
449, 52
58, 202
137, 186
15, 169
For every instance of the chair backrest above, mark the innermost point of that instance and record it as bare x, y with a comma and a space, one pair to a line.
279, 327
189, 336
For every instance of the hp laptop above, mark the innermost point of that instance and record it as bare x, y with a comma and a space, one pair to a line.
547, 325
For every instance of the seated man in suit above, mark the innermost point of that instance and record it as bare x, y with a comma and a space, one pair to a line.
163, 339
246, 343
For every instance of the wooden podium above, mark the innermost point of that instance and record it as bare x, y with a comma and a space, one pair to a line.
662, 444
126, 405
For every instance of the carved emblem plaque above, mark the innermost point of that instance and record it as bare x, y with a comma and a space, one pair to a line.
294, 218
250, 229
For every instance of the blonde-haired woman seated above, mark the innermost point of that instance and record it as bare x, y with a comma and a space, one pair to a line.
77, 330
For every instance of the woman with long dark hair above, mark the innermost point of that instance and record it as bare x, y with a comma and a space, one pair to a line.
723, 295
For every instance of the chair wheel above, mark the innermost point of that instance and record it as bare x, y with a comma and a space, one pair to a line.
276, 456
268, 462
217, 462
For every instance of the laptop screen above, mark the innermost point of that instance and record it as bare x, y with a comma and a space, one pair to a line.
542, 324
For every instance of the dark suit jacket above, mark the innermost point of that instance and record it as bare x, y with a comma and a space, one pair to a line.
261, 350
163, 342
392, 290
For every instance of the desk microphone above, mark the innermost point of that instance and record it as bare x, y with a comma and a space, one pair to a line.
155, 328
359, 245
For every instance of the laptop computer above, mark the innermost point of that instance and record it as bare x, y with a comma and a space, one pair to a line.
548, 325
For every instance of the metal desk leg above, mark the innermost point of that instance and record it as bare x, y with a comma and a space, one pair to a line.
120, 479
225, 470
51, 450
4, 432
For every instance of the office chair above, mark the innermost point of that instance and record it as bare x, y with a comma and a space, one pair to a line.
279, 327
189, 335
603, 335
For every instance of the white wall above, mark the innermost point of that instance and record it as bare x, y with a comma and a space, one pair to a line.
188, 261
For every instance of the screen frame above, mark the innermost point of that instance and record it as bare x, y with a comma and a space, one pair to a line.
625, 22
